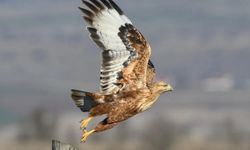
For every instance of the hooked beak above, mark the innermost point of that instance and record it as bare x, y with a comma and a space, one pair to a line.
169, 88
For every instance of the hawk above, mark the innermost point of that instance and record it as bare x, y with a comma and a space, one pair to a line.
127, 85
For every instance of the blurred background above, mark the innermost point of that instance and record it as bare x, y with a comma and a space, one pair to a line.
201, 47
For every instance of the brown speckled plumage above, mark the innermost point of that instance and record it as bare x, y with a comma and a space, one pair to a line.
127, 74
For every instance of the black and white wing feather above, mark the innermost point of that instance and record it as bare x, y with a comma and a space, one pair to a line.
105, 20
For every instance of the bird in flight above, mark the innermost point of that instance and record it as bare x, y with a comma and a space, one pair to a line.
127, 85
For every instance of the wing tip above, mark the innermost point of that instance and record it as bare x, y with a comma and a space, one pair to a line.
98, 4
93, 33
86, 12
107, 4
92, 30
88, 20
116, 7
90, 6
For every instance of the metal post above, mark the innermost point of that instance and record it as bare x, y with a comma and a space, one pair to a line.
57, 145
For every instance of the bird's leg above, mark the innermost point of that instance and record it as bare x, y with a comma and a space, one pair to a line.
85, 122
104, 125
86, 134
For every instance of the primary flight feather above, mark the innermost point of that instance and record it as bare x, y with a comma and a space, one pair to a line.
126, 76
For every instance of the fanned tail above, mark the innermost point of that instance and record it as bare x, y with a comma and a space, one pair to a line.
82, 100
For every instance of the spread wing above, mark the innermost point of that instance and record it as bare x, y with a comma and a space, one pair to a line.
125, 52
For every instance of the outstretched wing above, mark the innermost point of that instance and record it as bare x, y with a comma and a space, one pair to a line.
125, 52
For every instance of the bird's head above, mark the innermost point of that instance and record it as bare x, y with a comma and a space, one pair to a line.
161, 87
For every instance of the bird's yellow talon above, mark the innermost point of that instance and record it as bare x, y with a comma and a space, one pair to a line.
84, 131
85, 135
85, 122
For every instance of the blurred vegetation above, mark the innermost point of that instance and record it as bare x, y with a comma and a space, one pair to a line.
39, 126
157, 133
